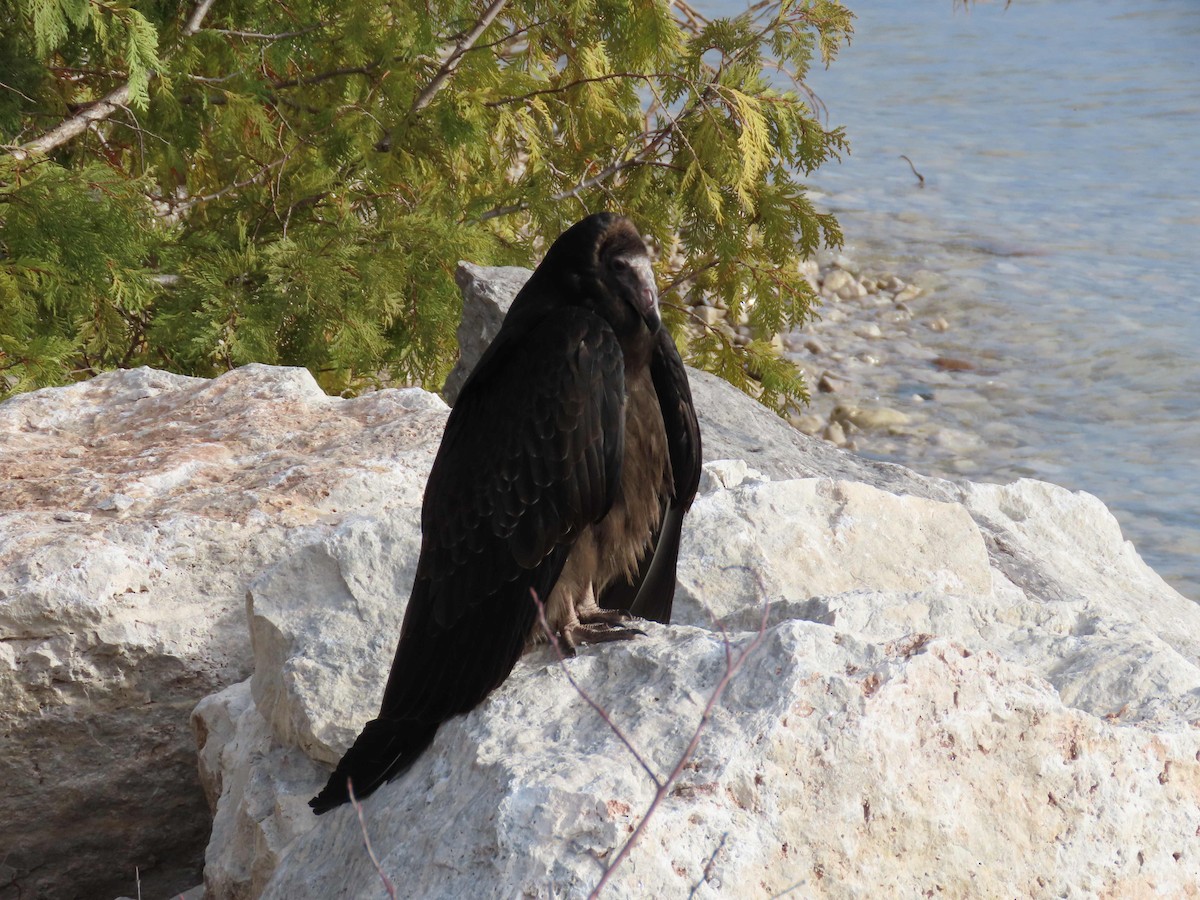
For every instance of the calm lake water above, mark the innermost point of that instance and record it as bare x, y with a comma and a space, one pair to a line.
1059, 229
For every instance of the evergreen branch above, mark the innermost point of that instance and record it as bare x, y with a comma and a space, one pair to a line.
640, 158
562, 88
260, 36
450, 62
118, 98
71, 128
304, 80
205, 198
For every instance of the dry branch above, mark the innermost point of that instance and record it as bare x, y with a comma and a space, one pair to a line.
362, 824
733, 663
118, 98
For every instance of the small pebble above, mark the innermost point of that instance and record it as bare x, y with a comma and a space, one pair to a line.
66, 515
813, 346
950, 364
939, 324
827, 384
834, 434
837, 281
844, 262
807, 423
118, 502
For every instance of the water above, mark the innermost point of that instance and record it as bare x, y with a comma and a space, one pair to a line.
1060, 144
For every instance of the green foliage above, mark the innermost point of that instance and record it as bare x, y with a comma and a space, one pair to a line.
295, 184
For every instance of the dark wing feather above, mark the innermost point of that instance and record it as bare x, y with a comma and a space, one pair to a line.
656, 591
530, 457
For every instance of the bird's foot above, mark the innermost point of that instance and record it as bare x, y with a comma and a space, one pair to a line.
598, 633
596, 616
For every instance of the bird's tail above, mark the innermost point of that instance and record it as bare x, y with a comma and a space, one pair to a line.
385, 749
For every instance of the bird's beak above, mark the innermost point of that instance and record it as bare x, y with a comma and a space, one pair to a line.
646, 293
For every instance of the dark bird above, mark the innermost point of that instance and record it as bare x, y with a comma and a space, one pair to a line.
565, 470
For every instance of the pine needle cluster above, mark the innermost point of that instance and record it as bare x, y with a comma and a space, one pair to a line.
196, 187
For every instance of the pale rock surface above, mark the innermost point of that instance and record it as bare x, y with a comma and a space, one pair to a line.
833, 766
962, 690
136, 508
488, 291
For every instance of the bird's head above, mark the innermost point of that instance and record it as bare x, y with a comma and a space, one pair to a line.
610, 265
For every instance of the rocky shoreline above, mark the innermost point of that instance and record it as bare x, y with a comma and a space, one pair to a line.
879, 383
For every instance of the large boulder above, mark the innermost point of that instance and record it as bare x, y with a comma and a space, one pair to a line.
136, 508
956, 689
912, 721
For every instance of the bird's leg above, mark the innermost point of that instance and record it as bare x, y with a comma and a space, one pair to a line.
592, 625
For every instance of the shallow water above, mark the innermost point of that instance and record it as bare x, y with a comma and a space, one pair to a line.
1058, 231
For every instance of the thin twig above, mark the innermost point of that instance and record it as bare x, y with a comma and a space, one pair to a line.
259, 36
733, 664
205, 198
920, 177
706, 872
362, 824
73, 127
450, 62
566, 86
600, 710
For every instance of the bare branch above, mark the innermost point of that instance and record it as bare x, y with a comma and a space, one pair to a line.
116, 99
362, 823
600, 710
450, 61
76, 125
640, 158
193, 24
204, 198
733, 664
259, 36
611, 76
324, 76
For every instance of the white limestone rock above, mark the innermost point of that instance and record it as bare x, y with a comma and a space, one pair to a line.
488, 291
834, 766
136, 508
915, 720
963, 690
256, 790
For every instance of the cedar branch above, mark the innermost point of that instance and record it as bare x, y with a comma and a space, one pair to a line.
451, 60
118, 98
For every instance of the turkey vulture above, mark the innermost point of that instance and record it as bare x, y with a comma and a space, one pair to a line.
565, 470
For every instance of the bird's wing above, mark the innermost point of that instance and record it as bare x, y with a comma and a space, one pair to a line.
530, 457
656, 590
